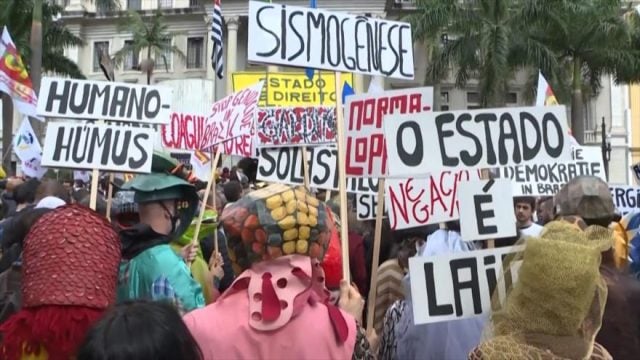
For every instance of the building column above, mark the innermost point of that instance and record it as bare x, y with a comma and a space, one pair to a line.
231, 51
210, 73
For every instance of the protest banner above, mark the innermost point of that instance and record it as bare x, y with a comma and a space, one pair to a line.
429, 142
548, 179
284, 165
232, 117
366, 148
366, 205
103, 100
625, 198
422, 201
486, 210
286, 89
314, 38
298, 126
185, 131
459, 285
103, 147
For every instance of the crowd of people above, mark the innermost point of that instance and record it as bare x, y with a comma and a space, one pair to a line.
262, 279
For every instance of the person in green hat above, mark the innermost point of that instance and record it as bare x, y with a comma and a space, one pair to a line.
150, 268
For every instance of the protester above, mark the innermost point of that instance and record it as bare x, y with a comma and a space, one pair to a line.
232, 191
70, 277
140, 330
524, 207
50, 187
357, 253
544, 210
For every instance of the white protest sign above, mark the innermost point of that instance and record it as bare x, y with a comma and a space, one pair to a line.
430, 142
201, 164
103, 100
548, 179
314, 38
184, 131
625, 198
103, 147
464, 286
365, 142
367, 205
284, 165
417, 202
232, 116
486, 210
83, 175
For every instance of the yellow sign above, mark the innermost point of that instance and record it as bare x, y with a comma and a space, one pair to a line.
293, 88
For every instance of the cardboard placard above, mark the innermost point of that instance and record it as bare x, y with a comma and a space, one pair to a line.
185, 131
285, 89
548, 179
365, 141
303, 37
366, 207
232, 116
625, 198
429, 142
297, 126
103, 100
103, 147
486, 210
458, 285
284, 165
417, 202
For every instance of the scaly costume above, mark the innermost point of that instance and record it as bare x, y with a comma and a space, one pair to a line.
278, 307
70, 267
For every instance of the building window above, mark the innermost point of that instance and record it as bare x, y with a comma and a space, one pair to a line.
512, 98
165, 4
134, 4
444, 97
473, 97
444, 107
194, 3
195, 48
132, 59
99, 47
159, 60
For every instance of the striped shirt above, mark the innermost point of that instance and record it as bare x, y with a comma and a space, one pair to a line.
389, 289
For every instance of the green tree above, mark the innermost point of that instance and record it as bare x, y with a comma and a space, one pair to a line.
150, 35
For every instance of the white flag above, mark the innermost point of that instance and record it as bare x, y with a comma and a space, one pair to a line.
201, 164
25, 142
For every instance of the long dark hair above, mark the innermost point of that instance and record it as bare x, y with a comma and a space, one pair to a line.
140, 330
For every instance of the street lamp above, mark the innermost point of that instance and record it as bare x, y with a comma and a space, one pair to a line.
606, 150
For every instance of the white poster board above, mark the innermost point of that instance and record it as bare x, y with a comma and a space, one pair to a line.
486, 210
315, 38
367, 206
625, 198
430, 142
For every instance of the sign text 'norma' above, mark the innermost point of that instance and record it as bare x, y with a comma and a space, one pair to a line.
102, 100
296, 126
429, 142
103, 147
319, 39
464, 286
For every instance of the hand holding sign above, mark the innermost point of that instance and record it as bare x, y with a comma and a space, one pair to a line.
486, 210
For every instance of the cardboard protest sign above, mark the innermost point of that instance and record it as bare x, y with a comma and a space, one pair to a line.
185, 131
464, 286
486, 210
303, 37
298, 126
232, 117
366, 206
284, 165
625, 198
547, 179
365, 141
429, 142
417, 202
286, 89
103, 100
103, 147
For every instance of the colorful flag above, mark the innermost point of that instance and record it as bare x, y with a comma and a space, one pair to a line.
544, 96
28, 150
14, 78
217, 56
309, 71
347, 90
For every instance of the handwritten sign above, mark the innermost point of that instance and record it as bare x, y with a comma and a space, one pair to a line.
429, 142
298, 126
486, 210
286, 89
367, 206
464, 286
102, 100
418, 202
185, 131
304, 37
88, 146
232, 116
366, 144
625, 198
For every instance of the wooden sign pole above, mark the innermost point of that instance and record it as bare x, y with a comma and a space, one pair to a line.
211, 183
377, 238
214, 201
342, 182
110, 196
305, 167
95, 174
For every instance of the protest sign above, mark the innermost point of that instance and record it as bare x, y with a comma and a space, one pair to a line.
286, 89
298, 126
429, 142
185, 131
417, 202
303, 37
464, 286
366, 205
284, 165
201, 164
366, 150
547, 179
88, 146
102, 100
486, 210
625, 198
232, 116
